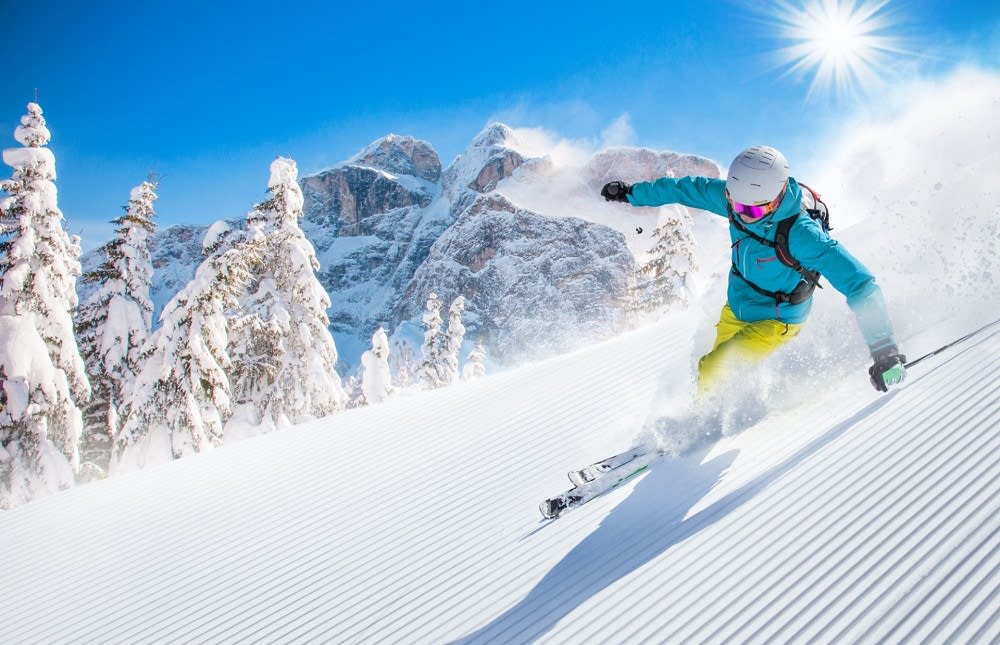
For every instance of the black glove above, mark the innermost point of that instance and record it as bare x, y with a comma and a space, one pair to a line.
889, 368
616, 191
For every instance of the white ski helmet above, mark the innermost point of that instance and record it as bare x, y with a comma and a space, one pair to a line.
757, 175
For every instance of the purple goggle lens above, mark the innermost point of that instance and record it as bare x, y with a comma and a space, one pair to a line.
755, 212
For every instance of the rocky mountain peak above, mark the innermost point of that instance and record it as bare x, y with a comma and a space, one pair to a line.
391, 173
401, 156
495, 134
489, 159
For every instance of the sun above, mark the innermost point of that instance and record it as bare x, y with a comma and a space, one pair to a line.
844, 44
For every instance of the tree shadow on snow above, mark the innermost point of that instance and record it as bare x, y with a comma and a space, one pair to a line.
642, 527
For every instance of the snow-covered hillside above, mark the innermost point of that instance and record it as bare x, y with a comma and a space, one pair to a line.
854, 516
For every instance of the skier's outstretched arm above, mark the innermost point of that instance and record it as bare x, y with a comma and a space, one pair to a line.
696, 192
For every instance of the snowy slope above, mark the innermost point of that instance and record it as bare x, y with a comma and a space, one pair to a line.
854, 516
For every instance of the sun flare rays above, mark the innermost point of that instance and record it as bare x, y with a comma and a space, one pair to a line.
842, 44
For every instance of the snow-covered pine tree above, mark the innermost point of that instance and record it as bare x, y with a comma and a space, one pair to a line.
42, 375
406, 367
353, 394
178, 403
376, 383
432, 372
114, 324
665, 278
475, 363
453, 339
285, 357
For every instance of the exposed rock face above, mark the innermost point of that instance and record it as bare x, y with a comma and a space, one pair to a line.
393, 172
485, 163
533, 284
402, 156
496, 169
372, 221
365, 274
343, 199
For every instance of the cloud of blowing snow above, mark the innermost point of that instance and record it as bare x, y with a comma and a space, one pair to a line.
559, 187
566, 152
922, 186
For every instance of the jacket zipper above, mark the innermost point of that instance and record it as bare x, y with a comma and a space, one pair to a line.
743, 269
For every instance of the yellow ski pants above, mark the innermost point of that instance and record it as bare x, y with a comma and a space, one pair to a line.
738, 344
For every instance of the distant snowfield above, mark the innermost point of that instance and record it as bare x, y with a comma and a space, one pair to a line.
854, 516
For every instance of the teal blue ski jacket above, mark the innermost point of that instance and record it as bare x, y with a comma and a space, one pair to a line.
808, 243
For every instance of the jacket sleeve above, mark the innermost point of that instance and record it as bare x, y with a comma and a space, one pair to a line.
697, 192
816, 250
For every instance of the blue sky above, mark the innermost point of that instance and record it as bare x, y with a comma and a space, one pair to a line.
206, 94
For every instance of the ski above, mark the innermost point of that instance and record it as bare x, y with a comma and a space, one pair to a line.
589, 473
609, 480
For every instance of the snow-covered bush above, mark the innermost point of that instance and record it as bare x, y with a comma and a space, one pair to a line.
352, 393
439, 366
42, 376
664, 279
376, 383
431, 372
475, 363
454, 338
403, 357
114, 324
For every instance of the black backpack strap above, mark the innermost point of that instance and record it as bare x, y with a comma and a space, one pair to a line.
802, 292
781, 244
785, 256
778, 296
810, 279
735, 221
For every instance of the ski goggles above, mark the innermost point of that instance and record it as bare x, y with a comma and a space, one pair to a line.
757, 211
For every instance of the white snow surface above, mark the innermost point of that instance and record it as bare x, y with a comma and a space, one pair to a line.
854, 516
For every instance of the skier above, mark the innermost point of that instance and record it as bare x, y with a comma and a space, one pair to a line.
769, 300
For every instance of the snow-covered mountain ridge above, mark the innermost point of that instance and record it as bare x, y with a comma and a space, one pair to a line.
853, 517
390, 227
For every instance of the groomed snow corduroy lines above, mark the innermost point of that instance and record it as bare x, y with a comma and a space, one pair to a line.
900, 447
384, 525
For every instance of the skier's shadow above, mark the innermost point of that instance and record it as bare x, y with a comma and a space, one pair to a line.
646, 524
